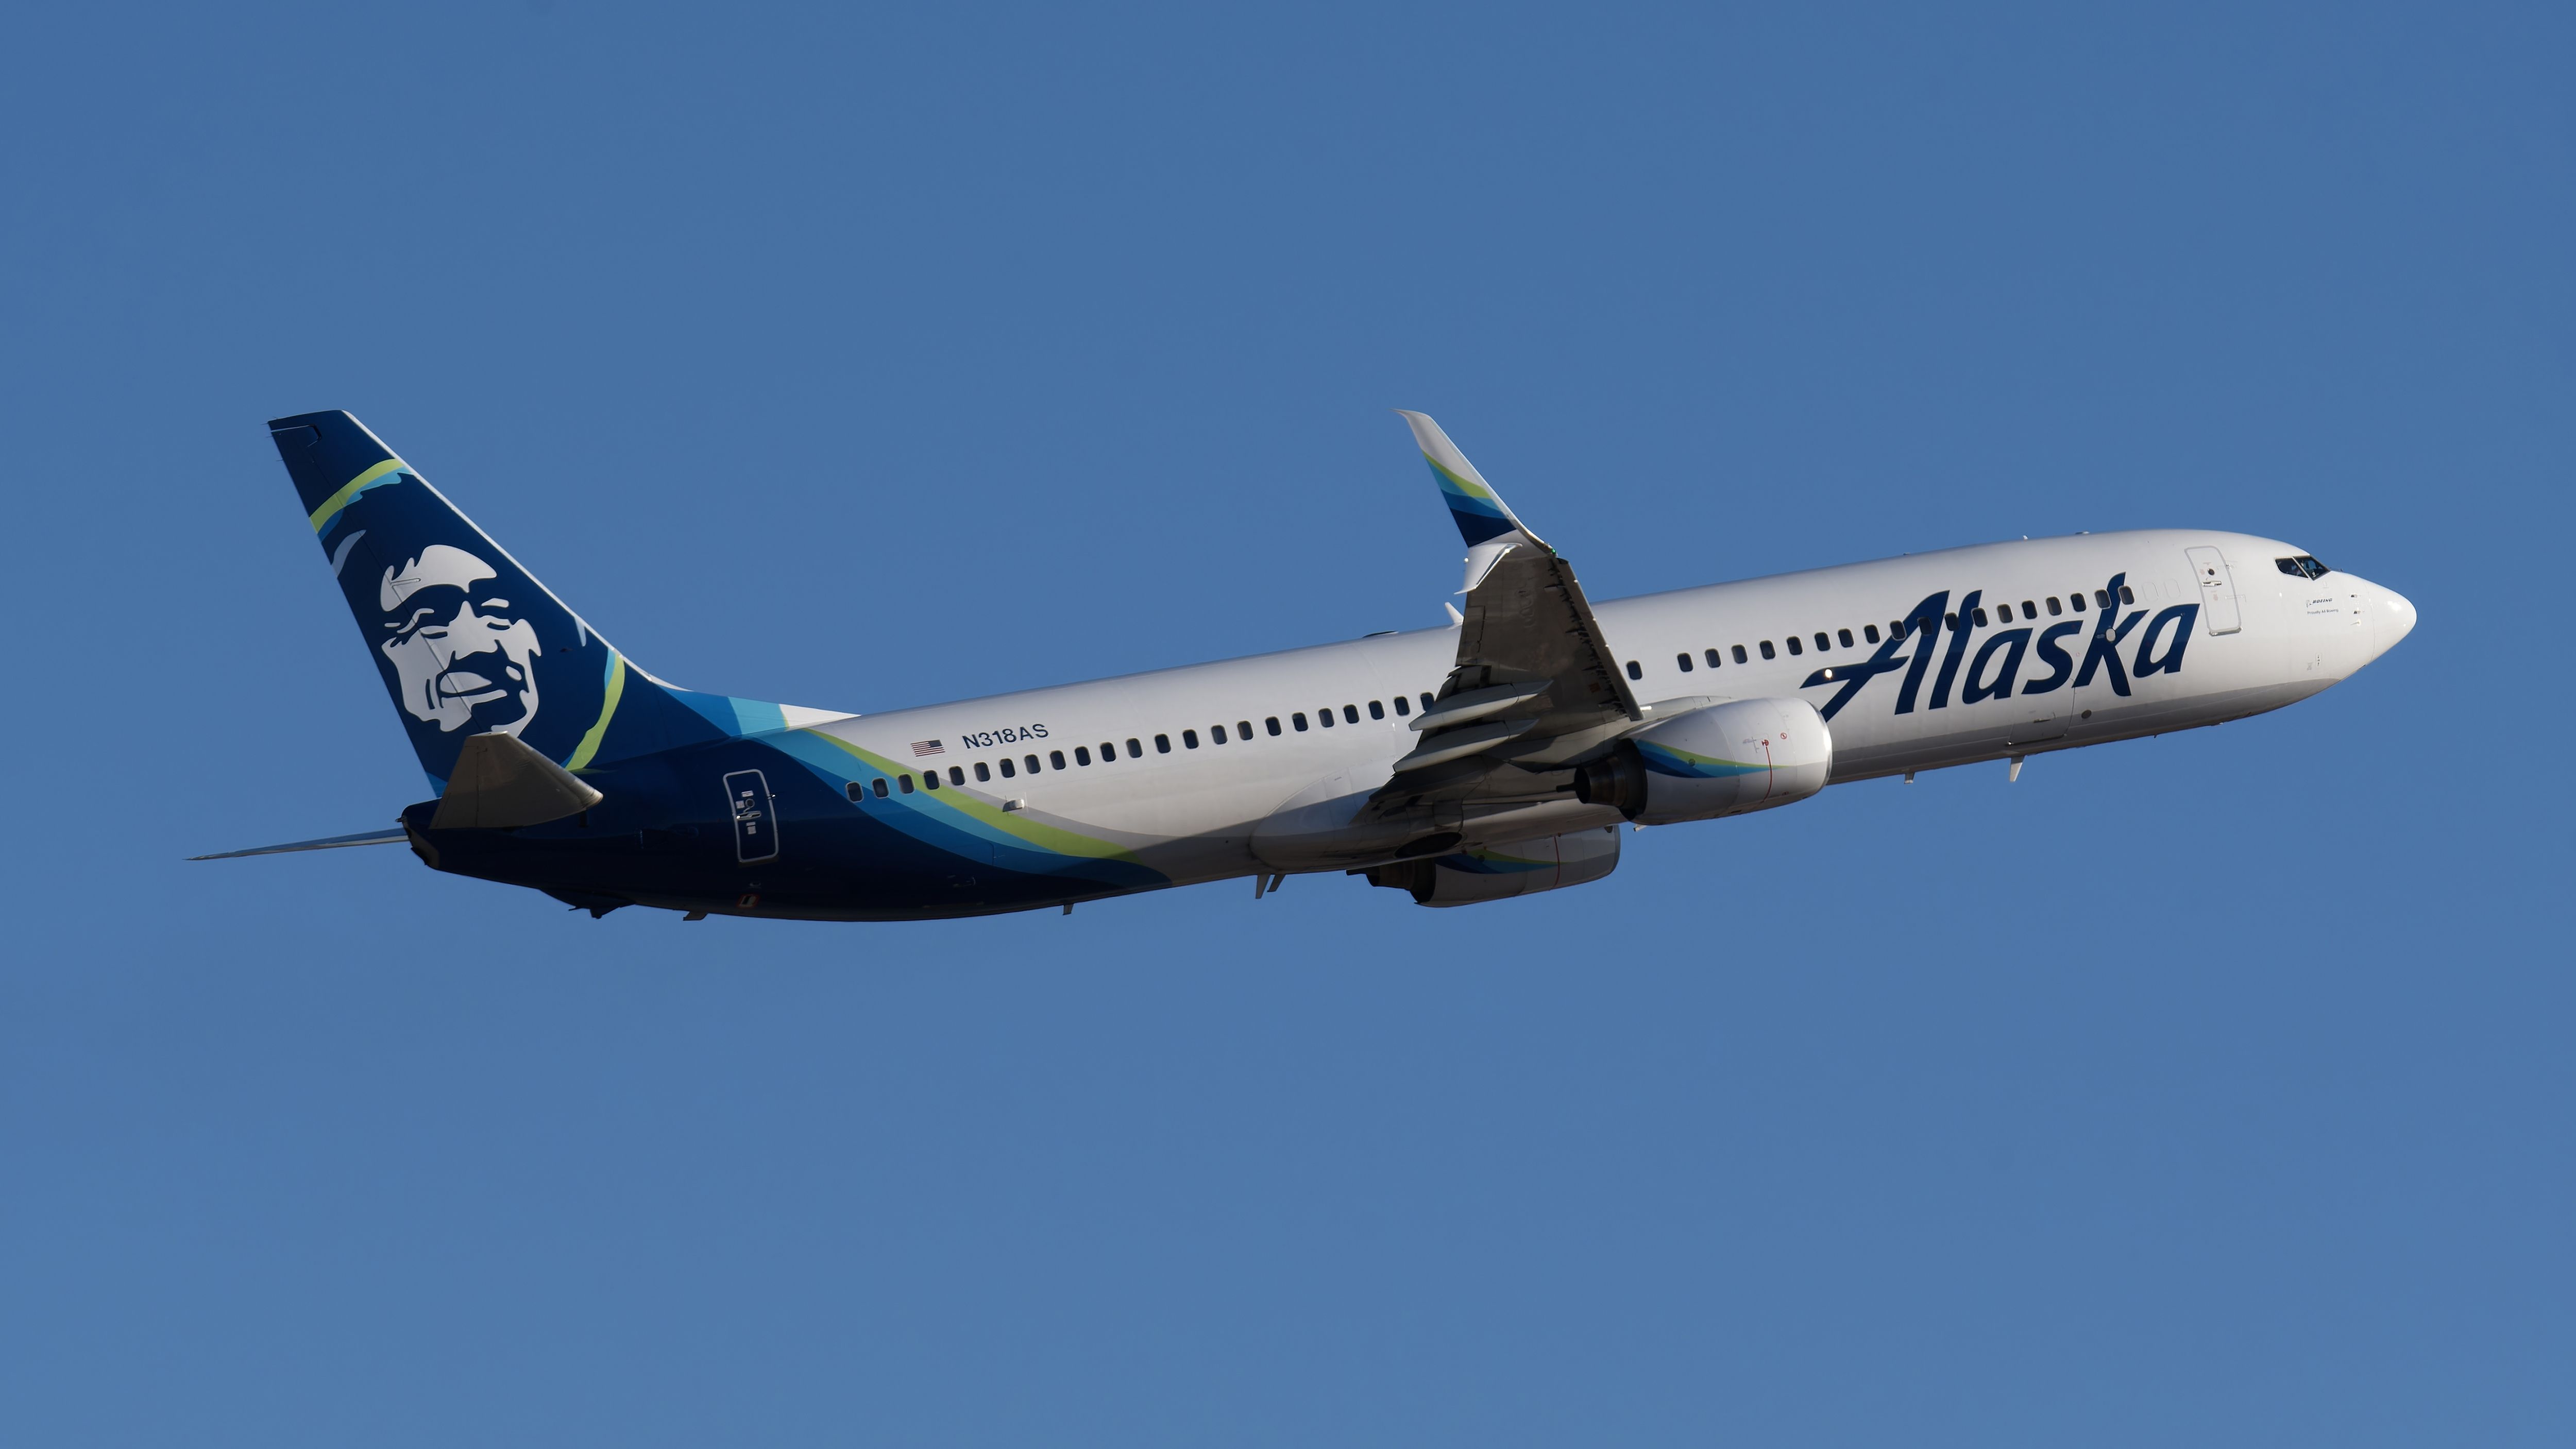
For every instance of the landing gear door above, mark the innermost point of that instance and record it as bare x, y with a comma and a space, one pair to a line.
755, 817
2217, 591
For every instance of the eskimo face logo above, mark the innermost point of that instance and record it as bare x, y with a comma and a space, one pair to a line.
457, 661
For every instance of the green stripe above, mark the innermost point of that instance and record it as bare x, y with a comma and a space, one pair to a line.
589, 746
352, 489
1467, 486
1033, 833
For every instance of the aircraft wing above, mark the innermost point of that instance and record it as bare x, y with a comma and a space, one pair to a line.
1534, 683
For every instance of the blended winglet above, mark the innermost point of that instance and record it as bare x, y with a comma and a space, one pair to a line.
1480, 512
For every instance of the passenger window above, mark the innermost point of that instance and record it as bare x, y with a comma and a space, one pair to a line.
1272, 724
1009, 771
2053, 610
1324, 716
879, 788
2029, 610
1795, 647
2126, 596
1350, 714
1768, 652
1162, 744
1981, 616
855, 791
1869, 632
2102, 598
1376, 710
1634, 672
1243, 727
1299, 720
1217, 733
1683, 659
1896, 628
1135, 751
982, 773
1845, 636
1739, 653
1056, 758
930, 779
903, 783
1031, 761
2004, 612
1190, 738
1825, 641
957, 775
1401, 707
1426, 699
1713, 657
1952, 621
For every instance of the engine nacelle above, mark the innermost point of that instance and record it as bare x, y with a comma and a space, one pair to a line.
1500, 872
1748, 754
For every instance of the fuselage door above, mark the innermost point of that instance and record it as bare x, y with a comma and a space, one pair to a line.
755, 817
2217, 591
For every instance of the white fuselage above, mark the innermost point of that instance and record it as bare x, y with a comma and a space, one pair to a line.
1197, 809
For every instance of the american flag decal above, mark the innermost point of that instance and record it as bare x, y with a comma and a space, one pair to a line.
926, 747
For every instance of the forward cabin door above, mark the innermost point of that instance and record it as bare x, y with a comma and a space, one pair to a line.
2217, 591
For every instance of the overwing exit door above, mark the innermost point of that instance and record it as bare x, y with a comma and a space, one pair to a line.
755, 817
2217, 590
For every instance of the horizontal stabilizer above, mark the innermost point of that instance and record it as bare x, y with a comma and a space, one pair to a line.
501, 784
389, 836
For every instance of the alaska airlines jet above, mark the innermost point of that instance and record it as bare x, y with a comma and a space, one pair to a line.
1495, 757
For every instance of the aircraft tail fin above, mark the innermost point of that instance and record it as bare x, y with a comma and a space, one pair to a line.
466, 640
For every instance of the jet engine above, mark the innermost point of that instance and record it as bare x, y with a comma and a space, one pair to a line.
1500, 872
1726, 759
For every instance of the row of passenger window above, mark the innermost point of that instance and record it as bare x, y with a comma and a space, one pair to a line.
1082, 757
1826, 640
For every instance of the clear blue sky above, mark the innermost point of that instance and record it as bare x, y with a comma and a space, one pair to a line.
2215, 1089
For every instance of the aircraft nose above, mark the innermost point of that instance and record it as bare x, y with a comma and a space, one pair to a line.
2400, 619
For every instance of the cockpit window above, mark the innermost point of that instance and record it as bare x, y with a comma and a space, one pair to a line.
2304, 566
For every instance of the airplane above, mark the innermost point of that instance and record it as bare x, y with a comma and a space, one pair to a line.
1492, 758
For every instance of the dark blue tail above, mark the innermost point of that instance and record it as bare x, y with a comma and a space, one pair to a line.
469, 642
